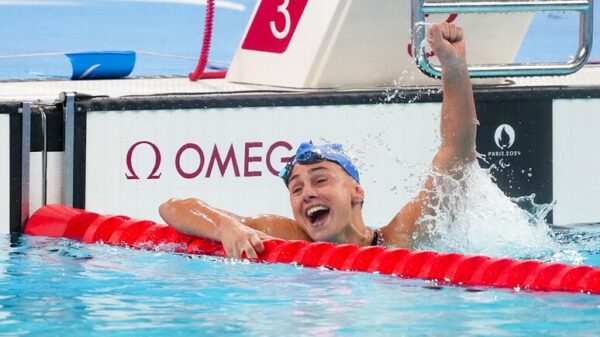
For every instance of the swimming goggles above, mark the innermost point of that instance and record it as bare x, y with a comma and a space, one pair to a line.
308, 153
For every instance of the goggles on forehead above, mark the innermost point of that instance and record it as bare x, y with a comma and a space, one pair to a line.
308, 153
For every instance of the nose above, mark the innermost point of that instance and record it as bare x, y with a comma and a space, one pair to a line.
309, 193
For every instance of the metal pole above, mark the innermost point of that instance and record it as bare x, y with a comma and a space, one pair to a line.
44, 158
69, 106
505, 6
25, 157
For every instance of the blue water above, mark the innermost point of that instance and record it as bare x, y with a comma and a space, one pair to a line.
176, 29
56, 287
94, 25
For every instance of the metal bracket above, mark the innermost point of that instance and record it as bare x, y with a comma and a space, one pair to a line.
586, 31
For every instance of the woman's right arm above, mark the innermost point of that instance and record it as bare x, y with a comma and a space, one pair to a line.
238, 234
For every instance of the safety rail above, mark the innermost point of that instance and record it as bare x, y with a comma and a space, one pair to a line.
421, 8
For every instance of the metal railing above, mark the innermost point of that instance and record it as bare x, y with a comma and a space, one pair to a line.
420, 8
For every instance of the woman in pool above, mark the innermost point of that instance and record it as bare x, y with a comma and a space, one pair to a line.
325, 191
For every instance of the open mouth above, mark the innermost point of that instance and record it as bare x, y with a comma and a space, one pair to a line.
317, 215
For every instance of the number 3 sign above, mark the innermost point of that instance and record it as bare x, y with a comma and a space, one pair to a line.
274, 25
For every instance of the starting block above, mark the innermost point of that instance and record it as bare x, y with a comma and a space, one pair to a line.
357, 43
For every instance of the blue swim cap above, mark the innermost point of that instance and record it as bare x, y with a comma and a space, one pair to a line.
308, 153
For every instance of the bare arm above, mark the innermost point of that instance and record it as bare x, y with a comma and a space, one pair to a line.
458, 129
238, 234
458, 120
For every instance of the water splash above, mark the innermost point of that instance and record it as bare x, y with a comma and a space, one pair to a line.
473, 216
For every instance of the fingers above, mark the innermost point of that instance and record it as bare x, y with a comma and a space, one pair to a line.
249, 253
435, 35
243, 251
455, 33
451, 32
249, 247
446, 40
257, 243
444, 31
459, 33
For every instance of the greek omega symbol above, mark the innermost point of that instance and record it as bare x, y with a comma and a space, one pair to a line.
157, 159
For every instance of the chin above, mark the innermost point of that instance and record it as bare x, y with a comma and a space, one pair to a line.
327, 232
322, 236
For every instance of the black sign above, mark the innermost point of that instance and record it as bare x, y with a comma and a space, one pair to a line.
515, 141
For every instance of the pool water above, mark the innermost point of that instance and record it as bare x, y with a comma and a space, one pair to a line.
167, 35
55, 287
51, 287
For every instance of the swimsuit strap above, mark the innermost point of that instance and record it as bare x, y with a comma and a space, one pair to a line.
376, 238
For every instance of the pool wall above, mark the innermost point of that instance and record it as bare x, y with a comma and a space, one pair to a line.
128, 154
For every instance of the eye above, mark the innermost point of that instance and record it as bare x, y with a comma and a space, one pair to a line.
296, 190
321, 180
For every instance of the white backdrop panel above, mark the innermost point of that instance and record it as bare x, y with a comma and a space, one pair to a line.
4, 173
392, 145
576, 162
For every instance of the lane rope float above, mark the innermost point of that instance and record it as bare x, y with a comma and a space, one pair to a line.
450, 269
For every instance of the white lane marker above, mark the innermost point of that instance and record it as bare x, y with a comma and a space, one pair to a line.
88, 71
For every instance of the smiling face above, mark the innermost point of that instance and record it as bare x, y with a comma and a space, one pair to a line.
321, 196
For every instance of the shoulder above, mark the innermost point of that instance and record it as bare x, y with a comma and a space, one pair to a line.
399, 232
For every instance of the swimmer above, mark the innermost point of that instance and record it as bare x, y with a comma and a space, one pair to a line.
324, 186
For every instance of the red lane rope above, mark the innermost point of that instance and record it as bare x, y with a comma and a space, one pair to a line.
454, 269
199, 73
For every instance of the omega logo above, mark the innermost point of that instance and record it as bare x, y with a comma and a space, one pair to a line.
223, 160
